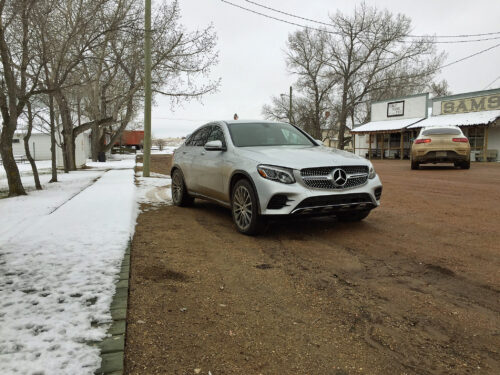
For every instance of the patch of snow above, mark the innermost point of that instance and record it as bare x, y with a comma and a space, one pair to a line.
60, 253
166, 150
154, 190
386, 125
460, 119
115, 161
43, 166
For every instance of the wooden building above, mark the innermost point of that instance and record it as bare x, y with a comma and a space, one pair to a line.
396, 122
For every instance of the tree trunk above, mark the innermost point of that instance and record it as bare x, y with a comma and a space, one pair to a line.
67, 123
13, 177
94, 140
27, 149
52, 139
343, 117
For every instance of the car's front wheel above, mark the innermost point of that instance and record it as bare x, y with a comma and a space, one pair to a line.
180, 196
244, 207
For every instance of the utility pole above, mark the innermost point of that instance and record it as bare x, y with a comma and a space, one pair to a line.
147, 90
290, 112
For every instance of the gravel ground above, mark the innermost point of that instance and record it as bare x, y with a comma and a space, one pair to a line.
413, 289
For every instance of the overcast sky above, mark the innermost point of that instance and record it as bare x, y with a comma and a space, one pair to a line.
251, 52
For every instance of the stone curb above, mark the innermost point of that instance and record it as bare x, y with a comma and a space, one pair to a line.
113, 347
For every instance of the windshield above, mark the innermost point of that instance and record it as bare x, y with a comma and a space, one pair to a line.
267, 134
442, 131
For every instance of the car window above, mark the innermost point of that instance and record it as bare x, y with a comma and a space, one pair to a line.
248, 134
217, 135
199, 138
442, 131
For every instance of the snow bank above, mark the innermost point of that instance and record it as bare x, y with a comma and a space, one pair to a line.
58, 269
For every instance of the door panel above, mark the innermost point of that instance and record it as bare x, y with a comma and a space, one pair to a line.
193, 150
210, 166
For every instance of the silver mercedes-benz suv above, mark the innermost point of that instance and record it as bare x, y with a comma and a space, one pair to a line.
261, 169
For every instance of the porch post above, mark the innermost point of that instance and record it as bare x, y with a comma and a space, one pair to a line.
382, 146
401, 145
485, 144
369, 146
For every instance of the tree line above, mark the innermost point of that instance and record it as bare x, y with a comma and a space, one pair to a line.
367, 56
76, 66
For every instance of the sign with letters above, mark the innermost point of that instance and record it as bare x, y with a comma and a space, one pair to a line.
474, 104
396, 109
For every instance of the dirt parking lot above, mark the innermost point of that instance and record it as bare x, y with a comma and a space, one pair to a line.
413, 289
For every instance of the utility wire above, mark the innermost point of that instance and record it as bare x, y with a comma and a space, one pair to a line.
496, 79
328, 24
337, 33
470, 56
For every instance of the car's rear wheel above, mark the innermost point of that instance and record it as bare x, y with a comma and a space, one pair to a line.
414, 164
244, 207
352, 216
465, 165
180, 196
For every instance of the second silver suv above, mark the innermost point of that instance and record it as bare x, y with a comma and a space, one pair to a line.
261, 169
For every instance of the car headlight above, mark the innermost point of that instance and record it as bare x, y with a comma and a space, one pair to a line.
371, 173
278, 174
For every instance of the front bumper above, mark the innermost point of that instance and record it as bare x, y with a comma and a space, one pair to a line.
296, 199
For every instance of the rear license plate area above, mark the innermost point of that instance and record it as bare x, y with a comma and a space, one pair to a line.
441, 154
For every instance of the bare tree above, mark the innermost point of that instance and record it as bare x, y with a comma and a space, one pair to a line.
180, 59
306, 58
441, 88
370, 52
17, 84
30, 116
159, 142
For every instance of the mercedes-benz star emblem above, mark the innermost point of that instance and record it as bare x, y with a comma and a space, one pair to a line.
339, 177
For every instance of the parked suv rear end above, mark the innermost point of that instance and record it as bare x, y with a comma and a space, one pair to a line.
441, 145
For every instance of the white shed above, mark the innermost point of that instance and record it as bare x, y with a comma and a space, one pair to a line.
39, 145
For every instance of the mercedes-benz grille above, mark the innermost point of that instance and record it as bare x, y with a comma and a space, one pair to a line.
342, 177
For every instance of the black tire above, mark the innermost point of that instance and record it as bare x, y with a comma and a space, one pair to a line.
245, 210
465, 164
350, 217
180, 196
414, 165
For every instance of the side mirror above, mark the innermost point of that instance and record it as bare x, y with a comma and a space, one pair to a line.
214, 146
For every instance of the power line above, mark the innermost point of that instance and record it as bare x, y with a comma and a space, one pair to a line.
470, 56
337, 33
179, 119
496, 79
327, 24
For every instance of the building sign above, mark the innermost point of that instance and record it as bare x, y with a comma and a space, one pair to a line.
396, 108
476, 104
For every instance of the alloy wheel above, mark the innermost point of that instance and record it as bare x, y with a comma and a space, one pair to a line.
242, 207
177, 188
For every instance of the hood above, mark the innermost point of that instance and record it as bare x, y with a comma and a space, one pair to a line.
299, 157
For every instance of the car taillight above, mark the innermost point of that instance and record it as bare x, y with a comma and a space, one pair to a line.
465, 140
425, 140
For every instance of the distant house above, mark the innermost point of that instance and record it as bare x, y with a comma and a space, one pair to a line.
39, 144
330, 136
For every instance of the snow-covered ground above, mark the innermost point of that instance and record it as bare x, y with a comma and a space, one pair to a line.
60, 253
